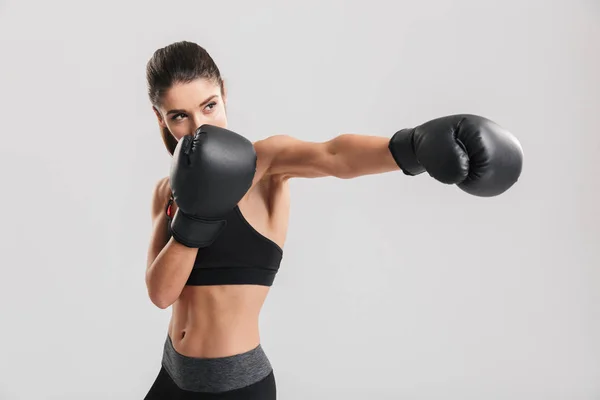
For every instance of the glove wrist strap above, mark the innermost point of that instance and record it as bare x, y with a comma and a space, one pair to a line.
195, 232
402, 148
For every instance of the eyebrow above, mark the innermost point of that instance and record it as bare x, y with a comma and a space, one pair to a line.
177, 111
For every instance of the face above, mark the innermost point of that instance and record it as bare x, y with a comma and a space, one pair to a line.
187, 106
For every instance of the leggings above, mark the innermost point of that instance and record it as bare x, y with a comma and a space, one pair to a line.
247, 376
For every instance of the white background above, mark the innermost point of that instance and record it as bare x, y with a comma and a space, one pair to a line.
391, 287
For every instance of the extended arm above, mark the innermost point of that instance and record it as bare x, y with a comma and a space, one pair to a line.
470, 151
345, 156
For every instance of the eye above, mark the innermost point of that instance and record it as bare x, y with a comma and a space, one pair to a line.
211, 105
176, 117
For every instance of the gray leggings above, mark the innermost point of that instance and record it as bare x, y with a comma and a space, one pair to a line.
247, 375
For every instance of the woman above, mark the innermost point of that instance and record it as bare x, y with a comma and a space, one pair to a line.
213, 348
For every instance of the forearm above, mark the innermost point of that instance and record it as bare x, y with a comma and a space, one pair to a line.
168, 273
358, 155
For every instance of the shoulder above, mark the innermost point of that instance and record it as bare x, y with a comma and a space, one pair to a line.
160, 195
284, 155
268, 150
270, 146
162, 188
282, 148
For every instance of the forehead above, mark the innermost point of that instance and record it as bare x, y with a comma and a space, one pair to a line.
189, 95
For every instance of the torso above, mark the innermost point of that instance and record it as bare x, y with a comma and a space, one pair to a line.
220, 321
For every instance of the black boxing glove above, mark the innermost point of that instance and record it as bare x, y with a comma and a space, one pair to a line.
476, 154
210, 173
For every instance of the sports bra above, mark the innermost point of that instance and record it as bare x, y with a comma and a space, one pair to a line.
239, 256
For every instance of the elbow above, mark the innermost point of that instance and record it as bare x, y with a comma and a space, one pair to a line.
338, 164
338, 168
345, 174
160, 300
343, 171
160, 297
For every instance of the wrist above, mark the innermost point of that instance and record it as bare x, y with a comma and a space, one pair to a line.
402, 148
195, 232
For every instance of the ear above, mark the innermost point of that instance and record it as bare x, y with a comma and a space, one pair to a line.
161, 121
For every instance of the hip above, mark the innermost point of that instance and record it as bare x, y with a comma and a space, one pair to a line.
246, 375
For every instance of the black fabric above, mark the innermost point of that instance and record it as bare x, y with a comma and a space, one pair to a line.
165, 389
239, 256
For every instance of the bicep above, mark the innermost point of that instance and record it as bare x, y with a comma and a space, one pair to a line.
290, 157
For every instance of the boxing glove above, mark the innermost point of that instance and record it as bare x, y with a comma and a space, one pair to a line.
476, 154
210, 173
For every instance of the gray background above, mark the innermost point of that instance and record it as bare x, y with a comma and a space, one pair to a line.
391, 287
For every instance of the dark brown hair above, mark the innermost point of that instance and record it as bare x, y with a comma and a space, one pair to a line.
180, 62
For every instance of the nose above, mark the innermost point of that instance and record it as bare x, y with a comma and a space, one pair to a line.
198, 121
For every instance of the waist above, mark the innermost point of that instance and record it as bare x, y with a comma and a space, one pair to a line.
216, 374
217, 319
214, 342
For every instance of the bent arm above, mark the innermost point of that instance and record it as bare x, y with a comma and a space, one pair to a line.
168, 273
169, 263
346, 156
